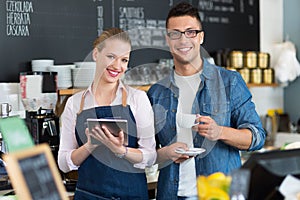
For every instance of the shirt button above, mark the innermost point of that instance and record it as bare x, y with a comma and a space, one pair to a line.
174, 110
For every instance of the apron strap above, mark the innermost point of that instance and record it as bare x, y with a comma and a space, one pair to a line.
124, 97
82, 102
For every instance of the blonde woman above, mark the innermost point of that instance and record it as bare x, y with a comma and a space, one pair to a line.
108, 169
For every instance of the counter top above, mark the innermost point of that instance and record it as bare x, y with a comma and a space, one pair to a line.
282, 139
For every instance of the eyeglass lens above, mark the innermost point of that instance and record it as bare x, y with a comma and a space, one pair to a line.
187, 33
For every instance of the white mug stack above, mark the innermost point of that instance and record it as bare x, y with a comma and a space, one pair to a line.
64, 76
41, 65
83, 74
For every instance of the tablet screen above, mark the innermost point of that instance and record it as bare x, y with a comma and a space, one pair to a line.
113, 125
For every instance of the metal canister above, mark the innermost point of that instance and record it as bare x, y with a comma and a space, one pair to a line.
250, 59
263, 60
256, 75
245, 73
236, 59
268, 76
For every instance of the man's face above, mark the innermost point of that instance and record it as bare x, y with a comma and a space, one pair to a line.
184, 50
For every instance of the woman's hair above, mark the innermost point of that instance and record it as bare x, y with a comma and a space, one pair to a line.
183, 9
111, 33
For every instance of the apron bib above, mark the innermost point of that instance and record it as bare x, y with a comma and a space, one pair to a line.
103, 175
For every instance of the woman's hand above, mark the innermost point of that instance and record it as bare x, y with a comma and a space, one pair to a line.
79, 155
115, 144
88, 145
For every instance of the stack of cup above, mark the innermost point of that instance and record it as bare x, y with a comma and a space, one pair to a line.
41, 65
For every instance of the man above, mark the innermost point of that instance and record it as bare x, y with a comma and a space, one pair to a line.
196, 91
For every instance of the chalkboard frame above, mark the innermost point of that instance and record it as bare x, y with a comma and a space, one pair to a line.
18, 179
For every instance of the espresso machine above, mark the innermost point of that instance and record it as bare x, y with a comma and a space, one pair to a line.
43, 125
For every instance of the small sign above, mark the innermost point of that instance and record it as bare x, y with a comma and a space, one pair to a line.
15, 133
34, 174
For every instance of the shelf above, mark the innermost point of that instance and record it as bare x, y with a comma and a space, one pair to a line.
146, 87
142, 87
69, 92
262, 85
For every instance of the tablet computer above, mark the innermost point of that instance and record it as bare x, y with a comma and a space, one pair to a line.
113, 125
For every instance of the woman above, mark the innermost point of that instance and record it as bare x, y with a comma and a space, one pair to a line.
109, 169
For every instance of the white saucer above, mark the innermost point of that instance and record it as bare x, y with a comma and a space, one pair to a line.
191, 151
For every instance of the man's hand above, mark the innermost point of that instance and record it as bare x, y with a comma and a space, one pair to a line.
208, 128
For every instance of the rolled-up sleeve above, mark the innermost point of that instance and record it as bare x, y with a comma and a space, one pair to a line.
245, 115
258, 138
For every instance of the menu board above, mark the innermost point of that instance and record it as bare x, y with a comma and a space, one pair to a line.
34, 175
230, 24
64, 30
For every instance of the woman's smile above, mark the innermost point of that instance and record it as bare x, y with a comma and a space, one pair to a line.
113, 73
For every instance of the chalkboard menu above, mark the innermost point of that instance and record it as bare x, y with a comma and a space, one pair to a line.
232, 24
34, 174
38, 177
64, 30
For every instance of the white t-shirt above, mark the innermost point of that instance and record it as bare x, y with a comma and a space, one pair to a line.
188, 86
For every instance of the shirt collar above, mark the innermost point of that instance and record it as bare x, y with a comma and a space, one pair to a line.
208, 73
119, 89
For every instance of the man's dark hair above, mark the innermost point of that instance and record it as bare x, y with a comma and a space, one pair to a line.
183, 9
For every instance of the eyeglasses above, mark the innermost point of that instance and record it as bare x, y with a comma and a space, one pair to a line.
175, 35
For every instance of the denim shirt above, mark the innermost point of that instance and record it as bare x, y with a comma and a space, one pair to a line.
222, 95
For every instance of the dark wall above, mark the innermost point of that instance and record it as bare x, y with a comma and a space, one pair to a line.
64, 30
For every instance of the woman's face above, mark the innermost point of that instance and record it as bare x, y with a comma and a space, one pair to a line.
112, 60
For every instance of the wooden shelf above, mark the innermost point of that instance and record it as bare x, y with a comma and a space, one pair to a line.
69, 92
262, 85
142, 87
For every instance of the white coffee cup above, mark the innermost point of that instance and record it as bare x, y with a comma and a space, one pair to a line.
186, 120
